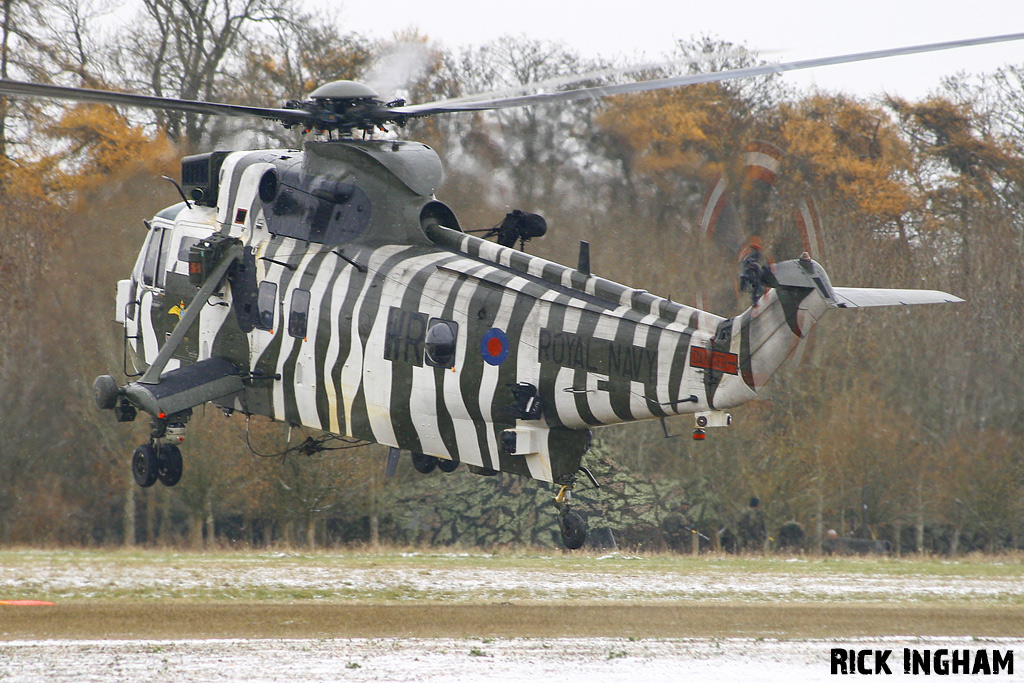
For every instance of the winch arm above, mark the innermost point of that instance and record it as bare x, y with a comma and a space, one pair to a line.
191, 314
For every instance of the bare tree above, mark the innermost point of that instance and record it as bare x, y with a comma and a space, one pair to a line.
185, 50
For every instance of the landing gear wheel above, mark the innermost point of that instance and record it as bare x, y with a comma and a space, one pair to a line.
145, 468
424, 464
169, 464
574, 529
447, 465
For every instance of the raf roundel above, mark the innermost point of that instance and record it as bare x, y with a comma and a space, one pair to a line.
494, 346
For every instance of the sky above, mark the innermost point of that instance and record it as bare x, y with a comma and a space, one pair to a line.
782, 30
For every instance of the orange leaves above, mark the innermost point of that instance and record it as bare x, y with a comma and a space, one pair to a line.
846, 148
835, 147
24, 179
680, 130
959, 136
97, 142
84, 148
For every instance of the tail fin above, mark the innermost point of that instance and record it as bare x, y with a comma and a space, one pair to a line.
766, 334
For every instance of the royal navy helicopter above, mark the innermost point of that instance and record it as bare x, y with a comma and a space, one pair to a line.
328, 287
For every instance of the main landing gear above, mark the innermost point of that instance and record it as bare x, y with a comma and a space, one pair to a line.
160, 459
570, 522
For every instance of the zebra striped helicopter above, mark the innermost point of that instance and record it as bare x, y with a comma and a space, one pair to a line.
328, 287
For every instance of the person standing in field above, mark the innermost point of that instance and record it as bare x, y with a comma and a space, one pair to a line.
751, 527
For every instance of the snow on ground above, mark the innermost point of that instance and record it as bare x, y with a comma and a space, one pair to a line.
195, 577
596, 660
567, 660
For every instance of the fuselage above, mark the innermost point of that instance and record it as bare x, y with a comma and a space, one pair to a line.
359, 308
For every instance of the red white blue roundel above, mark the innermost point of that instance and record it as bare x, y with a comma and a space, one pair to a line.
494, 346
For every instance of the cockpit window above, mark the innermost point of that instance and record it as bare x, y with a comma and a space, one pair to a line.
151, 265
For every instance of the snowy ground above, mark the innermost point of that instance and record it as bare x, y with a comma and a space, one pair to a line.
470, 578
428, 661
151, 578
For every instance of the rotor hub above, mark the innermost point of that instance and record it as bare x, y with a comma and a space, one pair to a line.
344, 90
344, 106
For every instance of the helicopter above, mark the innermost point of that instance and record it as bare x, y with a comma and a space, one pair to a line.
327, 287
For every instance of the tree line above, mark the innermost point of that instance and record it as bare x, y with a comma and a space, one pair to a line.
896, 425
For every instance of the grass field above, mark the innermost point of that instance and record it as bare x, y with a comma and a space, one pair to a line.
391, 593
445, 617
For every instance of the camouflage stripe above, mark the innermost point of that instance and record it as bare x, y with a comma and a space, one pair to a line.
365, 379
676, 389
414, 384
322, 334
343, 293
301, 361
287, 393
448, 402
238, 170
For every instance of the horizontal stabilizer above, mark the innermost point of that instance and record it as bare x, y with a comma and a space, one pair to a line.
857, 297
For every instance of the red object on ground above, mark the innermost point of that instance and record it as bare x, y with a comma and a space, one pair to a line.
27, 603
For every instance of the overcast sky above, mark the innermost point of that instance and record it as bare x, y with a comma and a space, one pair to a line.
788, 29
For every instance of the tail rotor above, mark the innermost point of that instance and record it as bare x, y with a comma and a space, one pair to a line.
747, 224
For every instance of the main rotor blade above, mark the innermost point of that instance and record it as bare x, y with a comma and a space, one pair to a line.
573, 79
57, 92
383, 114
451, 106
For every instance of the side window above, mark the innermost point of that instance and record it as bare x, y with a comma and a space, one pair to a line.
299, 315
266, 305
163, 261
185, 246
151, 265
439, 346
